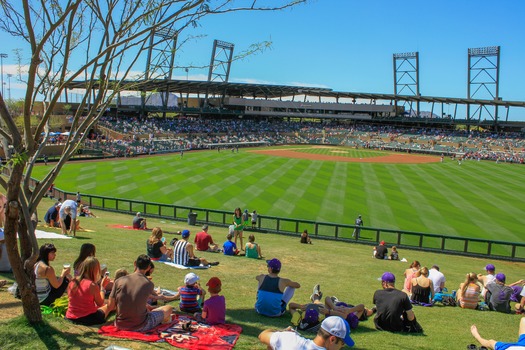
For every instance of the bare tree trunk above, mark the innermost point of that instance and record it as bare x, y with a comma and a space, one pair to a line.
21, 264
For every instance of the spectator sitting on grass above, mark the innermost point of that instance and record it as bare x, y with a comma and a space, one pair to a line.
498, 295
438, 279
229, 247
214, 308
394, 310
130, 295
156, 246
86, 295
139, 223
191, 295
305, 238
381, 251
183, 252
498, 345
468, 292
204, 242
274, 292
486, 279
422, 287
253, 250
49, 287
394, 254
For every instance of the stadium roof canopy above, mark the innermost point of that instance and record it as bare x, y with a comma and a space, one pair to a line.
268, 91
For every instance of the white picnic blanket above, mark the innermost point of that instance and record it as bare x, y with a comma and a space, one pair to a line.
50, 235
182, 267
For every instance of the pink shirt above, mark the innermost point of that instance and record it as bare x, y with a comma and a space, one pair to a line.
81, 302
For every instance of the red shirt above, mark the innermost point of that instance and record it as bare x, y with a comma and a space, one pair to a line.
203, 240
81, 302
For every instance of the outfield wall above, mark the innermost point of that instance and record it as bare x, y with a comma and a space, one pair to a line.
474, 247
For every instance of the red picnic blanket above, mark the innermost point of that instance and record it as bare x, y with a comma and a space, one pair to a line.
197, 336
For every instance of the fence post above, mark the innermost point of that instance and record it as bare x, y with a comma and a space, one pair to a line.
336, 231
398, 238
513, 253
443, 243
278, 224
316, 228
116, 204
377, 235
489, 248
297, 226
465, 248
420, 241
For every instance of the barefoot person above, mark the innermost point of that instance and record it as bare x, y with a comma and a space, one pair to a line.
498, 345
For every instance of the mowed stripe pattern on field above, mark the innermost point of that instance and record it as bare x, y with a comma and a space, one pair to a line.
476, 199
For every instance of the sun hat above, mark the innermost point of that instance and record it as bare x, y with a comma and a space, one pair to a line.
338, 327
191, 278
185, 233
274, 264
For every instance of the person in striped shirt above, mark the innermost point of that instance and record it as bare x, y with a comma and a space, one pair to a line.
191, 294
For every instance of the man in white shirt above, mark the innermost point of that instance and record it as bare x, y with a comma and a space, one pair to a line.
68, 217
437, 278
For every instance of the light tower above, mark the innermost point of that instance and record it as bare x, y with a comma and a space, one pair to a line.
2, 56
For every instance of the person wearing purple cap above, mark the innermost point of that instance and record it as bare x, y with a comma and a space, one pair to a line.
498, 345
488, 278
394, 310
274, 292
498, 294
333, 334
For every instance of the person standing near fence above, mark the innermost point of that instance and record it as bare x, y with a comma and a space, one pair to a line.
357, 229
238, 226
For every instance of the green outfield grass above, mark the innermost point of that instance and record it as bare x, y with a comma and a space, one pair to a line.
476, 199
345, 270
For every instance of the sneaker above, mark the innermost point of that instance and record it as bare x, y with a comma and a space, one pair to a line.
472, 346
317, 294
334, 300
317, 289
215, 263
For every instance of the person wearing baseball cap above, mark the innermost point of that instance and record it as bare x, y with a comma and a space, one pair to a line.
274, 292
394, 310
183, 253
487, 279
498, 294
333, 334
214, 308
381, 251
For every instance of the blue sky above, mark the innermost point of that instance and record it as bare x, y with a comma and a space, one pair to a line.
347, 45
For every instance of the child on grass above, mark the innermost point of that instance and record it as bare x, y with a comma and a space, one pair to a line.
229, 247
214, 309
191, 295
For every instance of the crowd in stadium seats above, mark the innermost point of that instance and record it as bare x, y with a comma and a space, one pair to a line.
153, 135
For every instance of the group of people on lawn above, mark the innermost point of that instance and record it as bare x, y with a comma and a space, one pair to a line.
93, 294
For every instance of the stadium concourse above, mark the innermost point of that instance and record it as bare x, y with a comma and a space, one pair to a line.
134, 136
